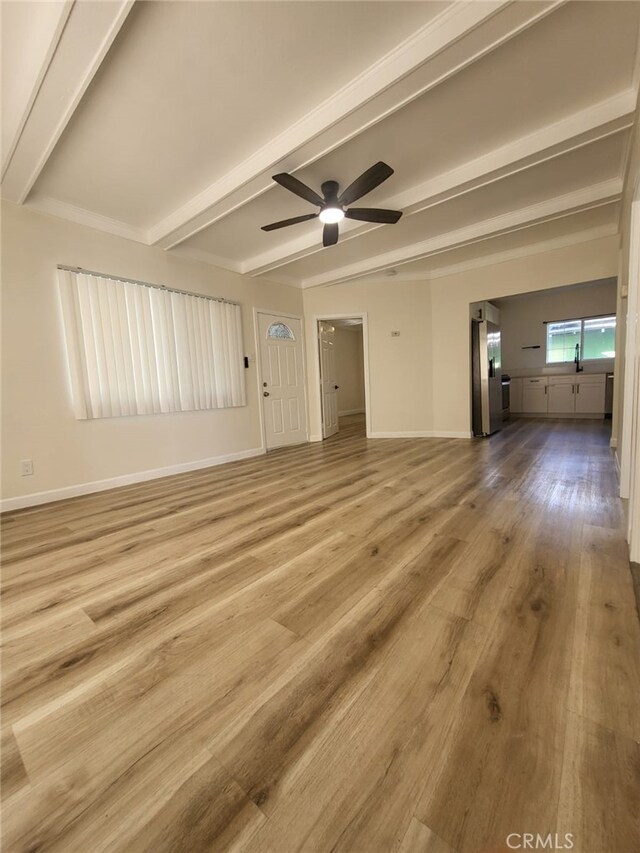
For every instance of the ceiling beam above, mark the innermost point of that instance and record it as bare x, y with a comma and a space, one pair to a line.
567, 239
79, 49
585, 127
34, 38
463, 33
597, 195
550, 245
571, 238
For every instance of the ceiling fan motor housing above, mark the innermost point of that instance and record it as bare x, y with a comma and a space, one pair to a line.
329, 190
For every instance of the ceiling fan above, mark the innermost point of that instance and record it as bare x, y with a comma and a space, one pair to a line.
332, 206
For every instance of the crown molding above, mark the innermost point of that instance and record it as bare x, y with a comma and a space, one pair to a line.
78, 51
206, 258
611, 116
81, 216
219, 262
554, 208
288, 280
434, 54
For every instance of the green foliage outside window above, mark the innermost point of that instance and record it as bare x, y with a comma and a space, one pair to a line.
596, 337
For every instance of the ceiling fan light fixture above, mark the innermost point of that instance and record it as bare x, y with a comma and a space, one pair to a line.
331, 215
336, 206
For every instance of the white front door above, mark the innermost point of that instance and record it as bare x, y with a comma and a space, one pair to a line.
328, 384
282, 380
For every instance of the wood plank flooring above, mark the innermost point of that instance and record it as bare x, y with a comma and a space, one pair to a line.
390, 646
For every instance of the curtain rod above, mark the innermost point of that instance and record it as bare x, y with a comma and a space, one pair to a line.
144, 284
572, 319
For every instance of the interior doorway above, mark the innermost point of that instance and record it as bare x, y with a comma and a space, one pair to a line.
548, 354
343, 374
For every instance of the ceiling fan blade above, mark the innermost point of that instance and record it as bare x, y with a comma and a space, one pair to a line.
295, 186
293, 221
374, 214
330, 235
368, 181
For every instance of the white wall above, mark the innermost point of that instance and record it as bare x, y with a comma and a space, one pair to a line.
419, 381
349, 369
450, 298
37, 419
522, 321
399, 367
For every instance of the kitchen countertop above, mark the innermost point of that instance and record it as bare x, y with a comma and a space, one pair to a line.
555, 371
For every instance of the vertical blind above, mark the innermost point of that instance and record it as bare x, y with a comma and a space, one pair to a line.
136, 349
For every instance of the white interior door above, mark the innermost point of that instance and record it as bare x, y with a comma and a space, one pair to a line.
328, 384
282, 377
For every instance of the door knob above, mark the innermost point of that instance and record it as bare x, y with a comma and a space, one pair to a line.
265, 393
336, 387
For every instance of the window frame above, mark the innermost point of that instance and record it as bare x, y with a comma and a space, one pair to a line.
582, 321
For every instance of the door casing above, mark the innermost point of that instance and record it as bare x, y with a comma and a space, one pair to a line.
316, 427
329, 395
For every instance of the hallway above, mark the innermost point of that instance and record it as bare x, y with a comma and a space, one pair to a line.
357, 645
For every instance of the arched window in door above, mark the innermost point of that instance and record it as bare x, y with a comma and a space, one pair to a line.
280, 331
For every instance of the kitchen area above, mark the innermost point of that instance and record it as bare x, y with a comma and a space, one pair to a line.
547, 354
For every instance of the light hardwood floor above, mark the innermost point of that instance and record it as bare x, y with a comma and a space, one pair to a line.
416, 645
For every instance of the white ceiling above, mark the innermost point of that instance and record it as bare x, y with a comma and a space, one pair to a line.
507, 124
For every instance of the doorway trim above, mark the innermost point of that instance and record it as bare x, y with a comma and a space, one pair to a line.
316, 427
630, 357
630, 438
256, 339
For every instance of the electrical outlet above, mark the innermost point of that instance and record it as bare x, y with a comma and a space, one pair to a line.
26, 467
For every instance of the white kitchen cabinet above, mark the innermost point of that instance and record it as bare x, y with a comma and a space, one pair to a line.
561, 398
515, 396
589, 395
534, 395
567, 394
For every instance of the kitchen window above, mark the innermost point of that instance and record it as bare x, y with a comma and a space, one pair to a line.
595, 338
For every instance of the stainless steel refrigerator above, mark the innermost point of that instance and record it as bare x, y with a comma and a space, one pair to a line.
486, 371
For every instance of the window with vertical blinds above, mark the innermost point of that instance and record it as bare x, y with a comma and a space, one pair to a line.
137, 349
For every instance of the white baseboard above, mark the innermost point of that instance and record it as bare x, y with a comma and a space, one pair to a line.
51, 495
613, 443
315, 438
559, 416
408, 434
425, 433
451, 433
350, 412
